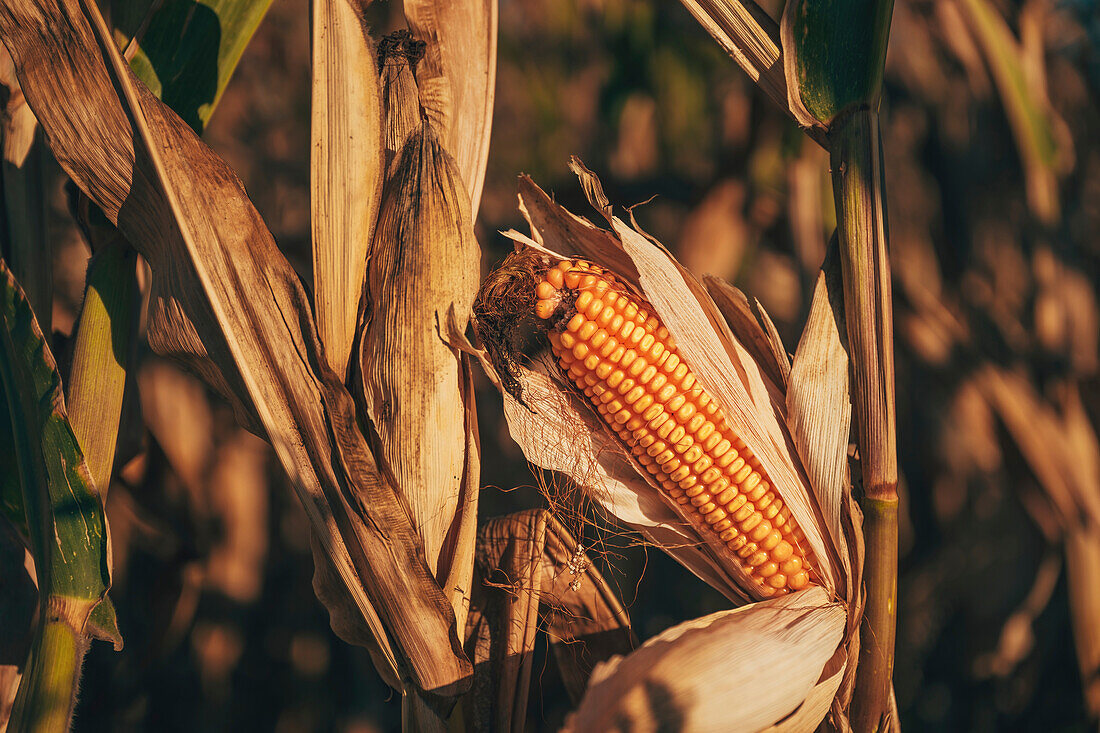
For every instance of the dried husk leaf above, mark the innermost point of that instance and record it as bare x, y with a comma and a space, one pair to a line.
746, 32
526, 562
504, 620
347, 168
585, 621
457, 79
400, 97
227, 304
819, 410
423, 276
738, 670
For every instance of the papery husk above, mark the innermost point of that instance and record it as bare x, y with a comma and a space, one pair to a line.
401, 109
346, 168
754, 404
226, 303
457, 79
738, 670
422, 279
530, 567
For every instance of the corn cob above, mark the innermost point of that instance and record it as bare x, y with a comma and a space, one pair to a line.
627, 365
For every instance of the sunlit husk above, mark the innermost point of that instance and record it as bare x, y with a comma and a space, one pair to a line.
739, 670
422, 278
400, 97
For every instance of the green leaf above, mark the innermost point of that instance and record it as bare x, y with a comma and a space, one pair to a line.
187, 50
56, 484
834, 54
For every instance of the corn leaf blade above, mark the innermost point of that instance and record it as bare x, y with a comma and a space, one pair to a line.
186, 51
346, 169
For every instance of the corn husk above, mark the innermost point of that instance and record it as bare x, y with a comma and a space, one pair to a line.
771, 663
400, 96
799, 431
457, 79
422, 279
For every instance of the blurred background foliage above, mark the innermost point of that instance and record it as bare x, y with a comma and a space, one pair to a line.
213, 569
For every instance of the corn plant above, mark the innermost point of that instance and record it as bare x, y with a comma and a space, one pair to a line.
671, 401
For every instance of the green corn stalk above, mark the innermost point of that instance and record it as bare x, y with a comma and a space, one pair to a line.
63, 516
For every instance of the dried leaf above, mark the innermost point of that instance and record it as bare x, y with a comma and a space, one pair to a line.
424, 266
400, 97
762, 660
346, 169
228, 304
746, 32
528, 561
819, 410
746, 326
457, 79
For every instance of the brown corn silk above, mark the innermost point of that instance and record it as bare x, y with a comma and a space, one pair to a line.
627, 365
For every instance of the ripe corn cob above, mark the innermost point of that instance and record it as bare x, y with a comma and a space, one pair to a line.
627, 365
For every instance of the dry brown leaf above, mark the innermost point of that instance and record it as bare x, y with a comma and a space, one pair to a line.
227, 304
400, 97
457, 79
585, 620
347, 169
753, 666
743, 320
423, 274
746, 32
526, 561
819, 410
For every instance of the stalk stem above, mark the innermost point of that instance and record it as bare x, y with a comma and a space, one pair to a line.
859, 191
47, 692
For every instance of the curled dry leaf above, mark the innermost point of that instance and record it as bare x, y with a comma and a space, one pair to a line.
457, 79
738, 670
227, 304
567, 412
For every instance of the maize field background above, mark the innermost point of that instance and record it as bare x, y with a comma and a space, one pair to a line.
996, 275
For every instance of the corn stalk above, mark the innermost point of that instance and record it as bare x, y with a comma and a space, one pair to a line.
835, 55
